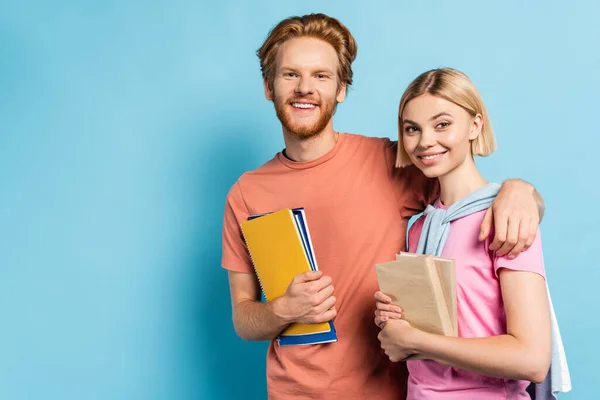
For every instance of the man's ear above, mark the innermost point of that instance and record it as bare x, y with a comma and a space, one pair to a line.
476, 127
268, 89
341, 95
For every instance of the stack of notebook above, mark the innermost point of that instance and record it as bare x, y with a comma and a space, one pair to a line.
425, 288
280, 247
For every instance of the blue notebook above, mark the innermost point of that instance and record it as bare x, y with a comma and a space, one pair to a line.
311, 338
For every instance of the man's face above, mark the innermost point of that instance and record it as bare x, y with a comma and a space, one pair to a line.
305, 86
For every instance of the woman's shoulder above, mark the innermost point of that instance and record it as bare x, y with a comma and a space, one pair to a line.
414, 233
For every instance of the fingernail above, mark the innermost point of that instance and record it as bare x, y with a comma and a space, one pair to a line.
398, 309
511, 257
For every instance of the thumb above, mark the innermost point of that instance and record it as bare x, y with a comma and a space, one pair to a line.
308, 276
486, 225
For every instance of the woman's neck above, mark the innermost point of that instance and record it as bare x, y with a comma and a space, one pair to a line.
460, 182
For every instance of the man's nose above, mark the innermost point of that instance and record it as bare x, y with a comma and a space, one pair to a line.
305, 86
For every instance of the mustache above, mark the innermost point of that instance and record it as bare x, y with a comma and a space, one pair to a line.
304, 98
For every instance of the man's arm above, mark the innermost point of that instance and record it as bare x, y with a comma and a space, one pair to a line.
540, 203
252, 319
308, 299
515, 216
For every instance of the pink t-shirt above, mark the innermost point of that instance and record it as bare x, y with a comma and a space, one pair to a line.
480, 312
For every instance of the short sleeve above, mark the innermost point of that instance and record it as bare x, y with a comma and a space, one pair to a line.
235, 253
530, 260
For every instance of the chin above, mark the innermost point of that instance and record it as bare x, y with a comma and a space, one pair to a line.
432, 172
305, 134
304, 131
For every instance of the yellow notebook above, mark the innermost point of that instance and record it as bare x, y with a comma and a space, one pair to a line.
278, 253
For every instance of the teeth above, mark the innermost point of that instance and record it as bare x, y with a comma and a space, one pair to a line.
431, 157
303, 105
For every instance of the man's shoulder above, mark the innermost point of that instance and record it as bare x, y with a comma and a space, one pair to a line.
249, 178
380, 141
270, 167
374, 146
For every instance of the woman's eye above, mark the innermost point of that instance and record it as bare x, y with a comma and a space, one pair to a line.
411, 129
443, 125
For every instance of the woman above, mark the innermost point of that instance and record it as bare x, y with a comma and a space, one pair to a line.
503, 312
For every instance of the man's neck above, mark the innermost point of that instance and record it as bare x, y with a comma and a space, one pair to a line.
305, 150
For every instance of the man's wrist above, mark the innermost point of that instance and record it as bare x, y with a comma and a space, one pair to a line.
280, 309
519, 183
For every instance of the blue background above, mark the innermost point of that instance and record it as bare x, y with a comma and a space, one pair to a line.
124, 123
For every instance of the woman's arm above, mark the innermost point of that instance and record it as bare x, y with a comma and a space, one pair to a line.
523, 353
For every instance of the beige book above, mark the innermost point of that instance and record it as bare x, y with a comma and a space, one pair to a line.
446, 269
425, 289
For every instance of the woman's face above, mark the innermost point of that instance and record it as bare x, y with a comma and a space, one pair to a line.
437, 134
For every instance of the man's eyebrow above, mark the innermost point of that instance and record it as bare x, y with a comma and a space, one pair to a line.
314, 71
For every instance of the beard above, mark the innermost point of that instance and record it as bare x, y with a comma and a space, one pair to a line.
301, 130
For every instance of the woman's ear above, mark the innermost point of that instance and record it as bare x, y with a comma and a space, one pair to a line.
476, 127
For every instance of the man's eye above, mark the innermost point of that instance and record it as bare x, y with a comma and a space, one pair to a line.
321, 76
290, 75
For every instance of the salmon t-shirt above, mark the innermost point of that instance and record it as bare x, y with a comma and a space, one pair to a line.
357, 208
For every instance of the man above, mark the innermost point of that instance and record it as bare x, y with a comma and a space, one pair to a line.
357, 206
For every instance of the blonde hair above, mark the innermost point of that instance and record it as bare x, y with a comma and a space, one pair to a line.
457, 88
319, 26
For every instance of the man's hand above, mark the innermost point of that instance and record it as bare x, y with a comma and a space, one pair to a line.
515, 215
308, 300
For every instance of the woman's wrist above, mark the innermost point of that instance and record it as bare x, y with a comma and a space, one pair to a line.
417, 341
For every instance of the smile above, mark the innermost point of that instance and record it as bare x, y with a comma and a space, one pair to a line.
303, 106
431, 156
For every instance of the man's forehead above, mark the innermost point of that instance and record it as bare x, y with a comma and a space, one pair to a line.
309, 53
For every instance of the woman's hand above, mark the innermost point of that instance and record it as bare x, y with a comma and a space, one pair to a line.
385, 310
397, 339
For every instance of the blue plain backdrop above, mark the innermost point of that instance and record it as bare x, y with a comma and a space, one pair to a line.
124, 123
